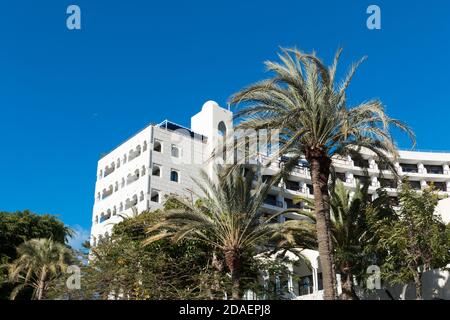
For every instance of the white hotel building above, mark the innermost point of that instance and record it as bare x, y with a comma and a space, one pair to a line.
162, 159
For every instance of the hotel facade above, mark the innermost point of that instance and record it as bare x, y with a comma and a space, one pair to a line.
164, 159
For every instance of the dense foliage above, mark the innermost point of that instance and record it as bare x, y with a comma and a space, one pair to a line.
412, 241
19, 227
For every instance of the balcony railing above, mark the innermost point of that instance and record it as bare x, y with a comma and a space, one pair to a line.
133, 178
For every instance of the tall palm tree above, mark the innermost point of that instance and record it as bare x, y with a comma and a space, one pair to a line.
304, 102
39, 262
228, 218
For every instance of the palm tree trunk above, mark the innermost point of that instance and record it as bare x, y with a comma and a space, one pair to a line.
320, 172
217, 265
418, 284
348, 289
232, 259
41, 285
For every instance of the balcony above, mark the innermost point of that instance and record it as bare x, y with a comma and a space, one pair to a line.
132, 178
133, 154
131, 202
107, 193
109, 170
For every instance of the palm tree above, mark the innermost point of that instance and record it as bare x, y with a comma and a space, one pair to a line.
228, 218
39, 262
349, 226
311, 112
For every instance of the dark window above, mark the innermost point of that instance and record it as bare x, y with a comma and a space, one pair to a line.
272, 200
310, 188
415, 185
292, 185
434, 169
290, 204
173, 176
406, 167
157, 146
362, 179
305, 285
382, 166
362, 163
388, 183
341, 176
155, 196
442, 186
394, 201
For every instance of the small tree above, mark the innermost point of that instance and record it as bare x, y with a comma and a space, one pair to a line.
415, 241
39, 263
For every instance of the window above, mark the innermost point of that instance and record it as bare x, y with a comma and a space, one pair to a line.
415, 185
305, 285
141, 196
441, 186
123, 183
143, 171
144, 146
341, 176
394, 201
362, 179
222, 129
292, 185
382, 165
362, 163
157, 146
173, 176
156, 170
434, 169
100, 174
118, 162
116, 186
121, 207
124, 158
412, 168
155, 196
175, 151
388, 183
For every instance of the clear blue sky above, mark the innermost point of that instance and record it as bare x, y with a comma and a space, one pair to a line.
67, 96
